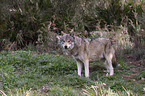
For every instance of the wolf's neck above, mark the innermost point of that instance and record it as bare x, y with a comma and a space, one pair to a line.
74, 51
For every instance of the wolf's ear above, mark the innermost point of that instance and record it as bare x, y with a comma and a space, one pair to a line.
62, 33
58, 39
72, 34
78, 41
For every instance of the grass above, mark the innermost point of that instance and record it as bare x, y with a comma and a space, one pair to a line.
27, 74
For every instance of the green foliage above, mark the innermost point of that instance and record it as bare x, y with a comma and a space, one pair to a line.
21, 19
46, 41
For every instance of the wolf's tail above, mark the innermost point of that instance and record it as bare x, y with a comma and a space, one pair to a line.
114, 62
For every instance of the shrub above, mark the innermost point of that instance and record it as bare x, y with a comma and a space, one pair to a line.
21, 19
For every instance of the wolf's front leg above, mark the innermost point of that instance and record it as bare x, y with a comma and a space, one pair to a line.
79, 66
86, 64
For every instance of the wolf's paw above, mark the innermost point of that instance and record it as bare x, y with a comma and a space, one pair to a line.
111, 74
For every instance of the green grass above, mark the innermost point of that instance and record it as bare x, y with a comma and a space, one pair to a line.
46, 74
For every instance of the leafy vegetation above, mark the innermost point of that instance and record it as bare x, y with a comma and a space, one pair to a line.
28, 21
31, 74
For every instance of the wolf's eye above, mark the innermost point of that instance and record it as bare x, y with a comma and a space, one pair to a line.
69, 41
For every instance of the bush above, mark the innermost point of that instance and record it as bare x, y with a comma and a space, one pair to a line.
21, 19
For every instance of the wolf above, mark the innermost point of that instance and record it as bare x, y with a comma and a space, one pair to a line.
84, 50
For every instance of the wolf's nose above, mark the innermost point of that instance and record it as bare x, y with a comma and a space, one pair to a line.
65, 47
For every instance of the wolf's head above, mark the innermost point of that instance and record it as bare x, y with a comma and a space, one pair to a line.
68, 42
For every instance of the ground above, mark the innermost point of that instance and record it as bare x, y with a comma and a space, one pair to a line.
136, 68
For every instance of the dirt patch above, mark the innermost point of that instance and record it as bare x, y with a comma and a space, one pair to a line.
135, 71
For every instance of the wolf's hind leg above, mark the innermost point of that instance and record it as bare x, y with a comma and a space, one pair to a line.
109, 61
111, 68
107, 67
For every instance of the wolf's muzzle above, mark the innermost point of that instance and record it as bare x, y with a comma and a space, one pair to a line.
65, 47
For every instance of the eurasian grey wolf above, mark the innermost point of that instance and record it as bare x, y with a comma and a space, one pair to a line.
84, 50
